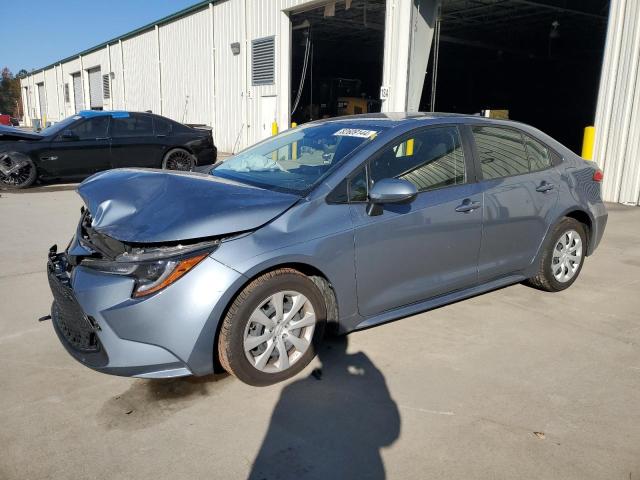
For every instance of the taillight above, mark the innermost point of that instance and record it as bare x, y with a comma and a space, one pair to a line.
598, 175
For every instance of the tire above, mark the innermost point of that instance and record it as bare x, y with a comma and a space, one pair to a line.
178, 159
24, 177
264, 365
553, 275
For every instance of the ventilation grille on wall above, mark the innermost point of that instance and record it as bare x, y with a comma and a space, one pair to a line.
106, 86
67, 99
263, 56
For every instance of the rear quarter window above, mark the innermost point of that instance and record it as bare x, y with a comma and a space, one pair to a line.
501, 152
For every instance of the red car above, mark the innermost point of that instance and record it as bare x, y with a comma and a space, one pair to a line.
8, 120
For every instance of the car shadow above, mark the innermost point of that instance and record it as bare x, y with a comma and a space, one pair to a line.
332, 424
149, 402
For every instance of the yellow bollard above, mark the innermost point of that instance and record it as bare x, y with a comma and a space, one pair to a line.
294, 145
274, 132
409, 147
587, 143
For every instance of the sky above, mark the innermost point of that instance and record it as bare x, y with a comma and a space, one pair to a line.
37, 33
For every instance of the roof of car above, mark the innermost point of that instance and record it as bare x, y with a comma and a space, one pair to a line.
393, 119
413, 119
101, 113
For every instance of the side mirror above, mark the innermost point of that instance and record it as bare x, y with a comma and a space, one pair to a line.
69, 135
390, 190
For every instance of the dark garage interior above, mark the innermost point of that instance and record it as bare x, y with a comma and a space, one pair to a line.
540, 60
536, 61
344, 59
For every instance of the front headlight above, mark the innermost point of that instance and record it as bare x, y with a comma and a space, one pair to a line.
150, 276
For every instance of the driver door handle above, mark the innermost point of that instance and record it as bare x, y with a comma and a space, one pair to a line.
467, 206
545, 187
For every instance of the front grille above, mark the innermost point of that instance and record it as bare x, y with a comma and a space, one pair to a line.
66, 312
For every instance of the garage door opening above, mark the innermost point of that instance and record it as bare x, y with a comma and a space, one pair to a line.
538, 61
337, 57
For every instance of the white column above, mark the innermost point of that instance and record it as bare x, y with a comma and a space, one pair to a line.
617, 146
409, 26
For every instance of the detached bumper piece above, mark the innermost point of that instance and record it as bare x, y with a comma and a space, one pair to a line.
75, 328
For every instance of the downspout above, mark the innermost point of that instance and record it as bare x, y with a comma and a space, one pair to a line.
157, 29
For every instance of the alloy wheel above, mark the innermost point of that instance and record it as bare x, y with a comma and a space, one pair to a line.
567, 256
14, 173
279, 331
179, 160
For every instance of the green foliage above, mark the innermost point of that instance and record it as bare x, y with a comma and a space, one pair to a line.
10, 101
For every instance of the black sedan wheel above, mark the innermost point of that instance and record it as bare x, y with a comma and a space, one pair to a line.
178, 159
16, 170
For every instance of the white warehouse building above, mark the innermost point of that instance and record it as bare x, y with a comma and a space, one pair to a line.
241, 66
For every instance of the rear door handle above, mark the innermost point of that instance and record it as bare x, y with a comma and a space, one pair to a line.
545, 187
467, 206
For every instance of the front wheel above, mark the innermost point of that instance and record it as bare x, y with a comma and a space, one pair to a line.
16, 170
178, 159
562, 258
273, 328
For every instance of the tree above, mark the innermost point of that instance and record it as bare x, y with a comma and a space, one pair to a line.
10, 98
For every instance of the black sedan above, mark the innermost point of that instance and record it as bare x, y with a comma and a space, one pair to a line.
93, 141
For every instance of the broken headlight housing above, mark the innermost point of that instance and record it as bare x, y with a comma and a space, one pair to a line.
150, 271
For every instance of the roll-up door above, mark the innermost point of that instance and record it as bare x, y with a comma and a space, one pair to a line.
95, 88
42, 99
78, 99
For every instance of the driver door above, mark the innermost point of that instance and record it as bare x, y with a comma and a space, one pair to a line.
412, 252
82, 149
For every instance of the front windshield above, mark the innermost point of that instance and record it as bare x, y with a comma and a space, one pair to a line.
296, 160
59, 126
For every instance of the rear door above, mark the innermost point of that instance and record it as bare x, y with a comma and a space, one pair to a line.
86, 151
520, 188
428, 247
133, 142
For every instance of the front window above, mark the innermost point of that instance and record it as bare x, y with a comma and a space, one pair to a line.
296, 160
60, 126
430, 159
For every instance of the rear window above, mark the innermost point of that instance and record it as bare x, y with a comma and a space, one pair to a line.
134, 125
501, 152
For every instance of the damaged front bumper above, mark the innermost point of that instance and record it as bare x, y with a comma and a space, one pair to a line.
167, 334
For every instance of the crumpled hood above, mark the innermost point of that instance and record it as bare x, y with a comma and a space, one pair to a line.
154, 206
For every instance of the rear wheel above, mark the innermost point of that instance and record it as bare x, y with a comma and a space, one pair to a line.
178, 159
562, 258
16, 170
273, 328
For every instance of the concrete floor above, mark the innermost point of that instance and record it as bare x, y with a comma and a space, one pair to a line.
457, 392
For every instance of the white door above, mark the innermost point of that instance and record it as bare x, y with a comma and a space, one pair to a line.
267, 115
78, 99
42, 101
95, 88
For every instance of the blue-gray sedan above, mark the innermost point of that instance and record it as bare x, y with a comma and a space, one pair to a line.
337, 225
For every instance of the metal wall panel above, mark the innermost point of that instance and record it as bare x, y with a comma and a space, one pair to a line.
186, 54
69, 68
230, 124
617, 147
141, 72
117, 82
51, 88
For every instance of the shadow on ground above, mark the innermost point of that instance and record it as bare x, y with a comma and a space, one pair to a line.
331, 424
149, 402
40, 188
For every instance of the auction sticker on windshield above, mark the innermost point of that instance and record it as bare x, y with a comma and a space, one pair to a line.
355, 132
